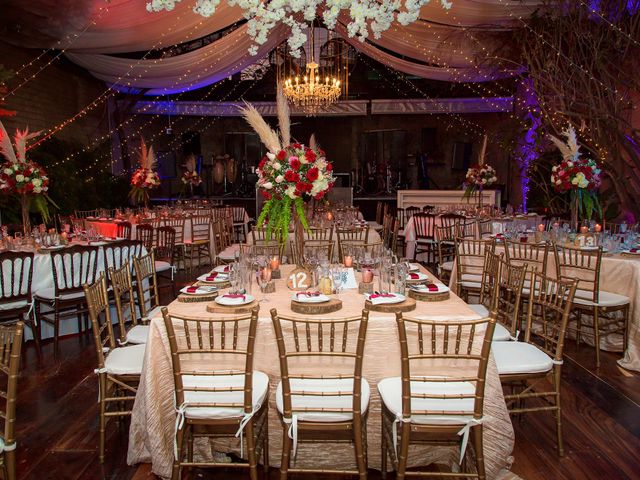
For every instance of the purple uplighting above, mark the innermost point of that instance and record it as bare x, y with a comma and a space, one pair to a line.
527, 152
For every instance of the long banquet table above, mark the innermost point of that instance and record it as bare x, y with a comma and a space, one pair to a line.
151, 436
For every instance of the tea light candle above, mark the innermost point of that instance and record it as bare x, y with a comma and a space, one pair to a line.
348, 261
541, 227
275, 262
584, 229
329, 216
598, 228
367, 276
556, 225
266, 274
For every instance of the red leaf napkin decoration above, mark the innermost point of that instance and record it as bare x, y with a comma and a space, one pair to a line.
381, 295
234, 295
432, 287
308, 294
192, 289
212, 276
634, 250
414, 276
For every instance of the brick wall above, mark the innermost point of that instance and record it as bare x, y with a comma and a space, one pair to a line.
56, 94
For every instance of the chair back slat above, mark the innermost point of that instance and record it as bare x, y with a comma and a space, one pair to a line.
147, 283
509, 300
144, 234
200, 228
73, 267
178, 224
491, 274
16, 274
534, 256
99, 312
123, 293
424, 225
470, 254
573, 263
116, 254
165, 243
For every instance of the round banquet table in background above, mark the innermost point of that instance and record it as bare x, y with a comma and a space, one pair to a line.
151, 435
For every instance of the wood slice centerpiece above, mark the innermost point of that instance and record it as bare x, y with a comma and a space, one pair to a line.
429, 296
205, 297
408, 305
333, 305
232, 309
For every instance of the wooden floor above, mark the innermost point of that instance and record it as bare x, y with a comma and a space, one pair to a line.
58, 439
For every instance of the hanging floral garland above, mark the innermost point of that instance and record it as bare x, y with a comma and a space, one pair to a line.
263, 16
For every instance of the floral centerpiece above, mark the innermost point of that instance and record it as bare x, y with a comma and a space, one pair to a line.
144, 178
23, 178
289, 175
191, 178
477, 179
580, 176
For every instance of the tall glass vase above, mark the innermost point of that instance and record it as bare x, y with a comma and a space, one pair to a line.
26, 221
575, 209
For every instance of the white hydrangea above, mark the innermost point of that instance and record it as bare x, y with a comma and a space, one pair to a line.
19, 178
365, 15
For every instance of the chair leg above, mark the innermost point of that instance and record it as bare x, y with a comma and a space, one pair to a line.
251, 450
176, 472
35, 329
358, 444
596, 334
479, 450
10, 465
383, 442
286, 452
56, 328
102, 385
558, 412
265, 446
404, 451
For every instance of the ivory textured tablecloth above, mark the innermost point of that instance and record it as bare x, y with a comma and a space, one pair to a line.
619, 274
151, 436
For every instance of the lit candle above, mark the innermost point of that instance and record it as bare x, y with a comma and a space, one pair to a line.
348, 261
556, 225
275, 262
367, 276
266, 274
598, 228
541, 227
329, 216
584, 229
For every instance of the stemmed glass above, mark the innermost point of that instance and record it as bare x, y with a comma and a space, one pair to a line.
338, 274
263, 277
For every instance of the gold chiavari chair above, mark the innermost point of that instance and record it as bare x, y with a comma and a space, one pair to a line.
16, 301
124, 230
317, 249
130, 330
83, 214
217, 391
410, 212
424, 226
469, 262
144, 234
179, 252
590, 299
240, 222
319, 233
331, 401
10, 348
446, 242
387, 225
485, 228
422, 406
72, 267
509, 304
147, 287
534, 365
467, 229
268, 249
489, 285
534, 256
164, 254
198, 246
350, 234
225, 249
449, 219
119, 368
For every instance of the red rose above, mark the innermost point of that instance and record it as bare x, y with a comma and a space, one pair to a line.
303, 187
319, 196
291, 176
329, 167
281, 155
310, 155
27, 172
266, 195
321, 152
312, 174
29, 187
295, 164
296, 145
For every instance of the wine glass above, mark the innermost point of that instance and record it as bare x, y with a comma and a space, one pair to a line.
338, 274
263, 277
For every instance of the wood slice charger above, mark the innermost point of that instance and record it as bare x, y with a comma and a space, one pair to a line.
429, 296
213, 307
333, 305
408, 305
205, 297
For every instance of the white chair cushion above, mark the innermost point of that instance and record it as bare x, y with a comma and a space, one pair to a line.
260, 387
50, 293
520, 357
125, 360
479, 309
316, 401
447, 266
12, 305
390, 390
501, 334
162, 266
605, 299
153, 313
470, 280
138, 334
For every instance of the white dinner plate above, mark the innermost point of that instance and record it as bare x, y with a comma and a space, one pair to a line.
202, 290
593, 249
222, 269
423, 288
220, 278
309, 299
629, 252
414, 267
225, 300
397, 298
421, 277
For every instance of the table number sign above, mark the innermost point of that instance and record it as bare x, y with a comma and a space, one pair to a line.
299, 279
585, 240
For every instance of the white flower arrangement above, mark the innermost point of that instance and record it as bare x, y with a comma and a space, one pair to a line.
366, 15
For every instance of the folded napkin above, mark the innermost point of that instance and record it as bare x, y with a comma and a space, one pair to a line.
308, 294
524, 239
633, 250
192, 289
432, 287
234, 296
414, 276
378, 298
213, 275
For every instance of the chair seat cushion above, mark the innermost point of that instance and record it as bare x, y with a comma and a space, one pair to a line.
390, 390
162, 266
229, 253
50, 294
13, 305
447, 266
153, 313
138, 334
520, 357
192, 398
501, 334
470, 280
125, 360
479, 309
316, 401
605, 299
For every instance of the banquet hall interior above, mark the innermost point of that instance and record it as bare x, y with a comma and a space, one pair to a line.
319, 239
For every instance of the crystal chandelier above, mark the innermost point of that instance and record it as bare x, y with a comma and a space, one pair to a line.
311, 85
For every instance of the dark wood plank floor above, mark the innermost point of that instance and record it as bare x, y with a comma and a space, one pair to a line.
57, 423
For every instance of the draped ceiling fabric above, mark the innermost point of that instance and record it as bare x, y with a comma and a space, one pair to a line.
442, 45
